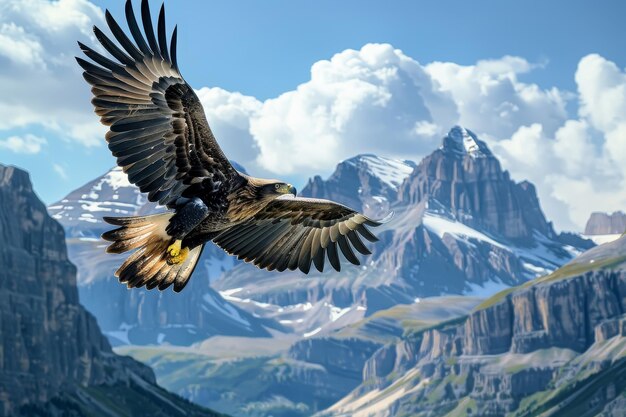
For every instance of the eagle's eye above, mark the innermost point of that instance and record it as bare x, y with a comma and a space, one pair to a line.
277, 186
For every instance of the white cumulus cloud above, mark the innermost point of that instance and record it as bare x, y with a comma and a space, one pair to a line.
491, 100
41, 82
375, 100
229, 115
379, 100
579, 168
602, 90
60, 170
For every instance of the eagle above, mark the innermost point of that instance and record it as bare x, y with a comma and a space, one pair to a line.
160, 137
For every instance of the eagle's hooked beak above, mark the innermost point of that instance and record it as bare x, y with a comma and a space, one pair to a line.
292, 190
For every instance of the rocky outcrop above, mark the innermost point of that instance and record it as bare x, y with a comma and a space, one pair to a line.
423, 253
345, 357
560, 314
50, 346
606, 224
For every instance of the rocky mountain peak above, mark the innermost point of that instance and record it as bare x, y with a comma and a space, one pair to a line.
461, 141
365, 182
465, 177
107, 195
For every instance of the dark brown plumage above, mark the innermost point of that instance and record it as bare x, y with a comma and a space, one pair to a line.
160, 136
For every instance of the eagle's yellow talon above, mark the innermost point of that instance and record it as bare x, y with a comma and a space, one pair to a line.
174, 249
179, 258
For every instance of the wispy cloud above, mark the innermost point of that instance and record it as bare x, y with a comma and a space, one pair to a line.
60, 171
27, 144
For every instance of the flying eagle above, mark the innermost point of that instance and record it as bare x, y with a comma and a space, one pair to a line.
160, 136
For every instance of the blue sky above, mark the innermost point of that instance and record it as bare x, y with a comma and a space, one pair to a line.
265, 49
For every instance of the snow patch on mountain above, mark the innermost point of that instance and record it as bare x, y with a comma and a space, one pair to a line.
116, 178
214, 303
110, 194
442, 225
485, 289
538, 259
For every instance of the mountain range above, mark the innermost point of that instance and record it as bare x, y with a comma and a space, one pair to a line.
461, 226
257, 343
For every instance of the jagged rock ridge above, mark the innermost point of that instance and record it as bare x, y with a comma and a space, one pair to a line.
477, 191
367, 182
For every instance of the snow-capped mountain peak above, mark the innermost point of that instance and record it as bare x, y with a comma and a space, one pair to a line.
110, 194
464, 142
390, 171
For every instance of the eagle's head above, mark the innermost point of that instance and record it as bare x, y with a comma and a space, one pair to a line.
279, 188
264, 188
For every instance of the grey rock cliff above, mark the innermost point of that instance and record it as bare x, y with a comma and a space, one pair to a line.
367, 183
606, 224
51, 348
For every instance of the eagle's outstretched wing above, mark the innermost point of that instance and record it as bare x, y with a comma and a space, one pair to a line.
158, 130
293, 232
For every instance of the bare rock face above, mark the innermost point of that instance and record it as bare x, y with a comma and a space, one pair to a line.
606, 224
47, 337
347, 358
563, 314
50, 346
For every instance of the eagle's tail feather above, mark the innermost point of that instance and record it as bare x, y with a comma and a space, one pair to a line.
151, 264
